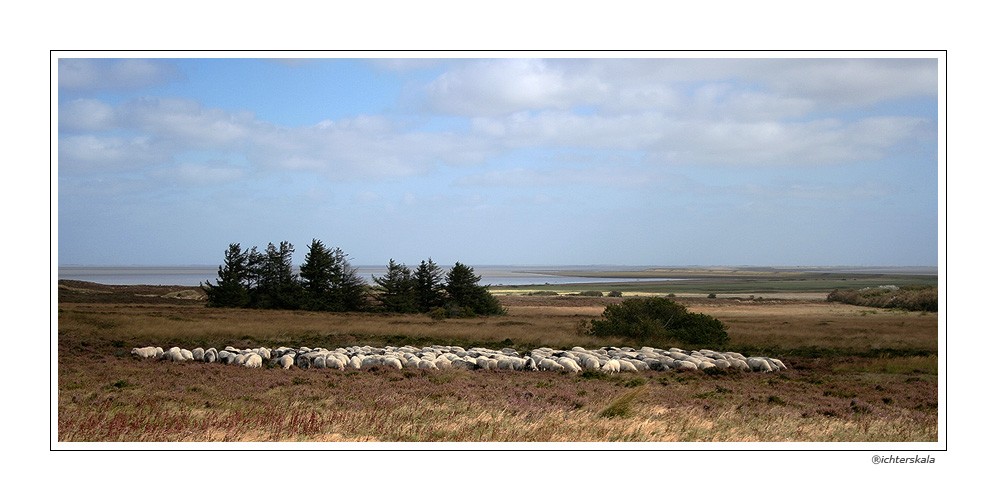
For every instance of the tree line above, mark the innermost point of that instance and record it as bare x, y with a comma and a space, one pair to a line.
327, 282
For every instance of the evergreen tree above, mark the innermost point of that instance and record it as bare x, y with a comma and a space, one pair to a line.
349, 292
278, 286
329, 282
396, 289
428, 286
464, 293
317, 276
232, 287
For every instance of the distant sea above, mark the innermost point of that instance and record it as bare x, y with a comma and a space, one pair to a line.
195, 275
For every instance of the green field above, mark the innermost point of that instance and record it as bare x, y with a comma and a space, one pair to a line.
745, 281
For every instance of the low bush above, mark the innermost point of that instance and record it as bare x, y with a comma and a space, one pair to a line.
657, 320
908, 297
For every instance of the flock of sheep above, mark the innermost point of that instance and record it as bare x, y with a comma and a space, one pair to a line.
436, 357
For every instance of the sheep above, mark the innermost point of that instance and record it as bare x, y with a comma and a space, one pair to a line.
174, 355
685, 365
705, 364
186, 354
626, 366
253, 360
548, 364
198, 354
355, 362
759, 364
721, 363
611, 366
590, 362
425, 364
302, 361
530, 365
147, 352
569, 364
285, 361
318, 362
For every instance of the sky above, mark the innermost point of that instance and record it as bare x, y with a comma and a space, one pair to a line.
764, 161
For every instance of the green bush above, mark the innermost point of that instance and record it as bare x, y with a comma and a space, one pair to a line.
908, 297
591, 293
615, 294
657, 320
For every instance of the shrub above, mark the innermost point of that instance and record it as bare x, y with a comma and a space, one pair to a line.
591, 293
657, 320
615, 294
908, 297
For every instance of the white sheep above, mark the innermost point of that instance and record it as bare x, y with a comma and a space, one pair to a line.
626, 366
569, 364
611, 366
759, 364
174, 355
253, 360
355, 362
549, 364
198, 354
285, 361
147, 352
685, 365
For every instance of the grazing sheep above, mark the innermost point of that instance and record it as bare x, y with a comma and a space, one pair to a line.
285, 361
569, 364
759, 364
210, 357
147, 352
302, 361
626, 366
530, 365
548, 364
174, 355
198, 354
685, 365
611, 366
253, 360
426, 364
186, 354
355, 362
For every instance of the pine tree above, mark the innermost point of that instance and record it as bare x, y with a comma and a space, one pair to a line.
278, 286
317, 276
465, 295
428, 286
329, 282
232, 287
396, 289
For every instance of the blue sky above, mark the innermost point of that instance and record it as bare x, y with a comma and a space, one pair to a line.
646, 161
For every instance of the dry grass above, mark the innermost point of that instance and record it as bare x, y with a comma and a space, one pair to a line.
106, 395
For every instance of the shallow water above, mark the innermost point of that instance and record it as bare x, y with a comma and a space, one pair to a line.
195, 275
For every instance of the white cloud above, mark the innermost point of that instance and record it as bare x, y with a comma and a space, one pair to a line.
86, 115
88, 154
197, 174
95, 75
747, 88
